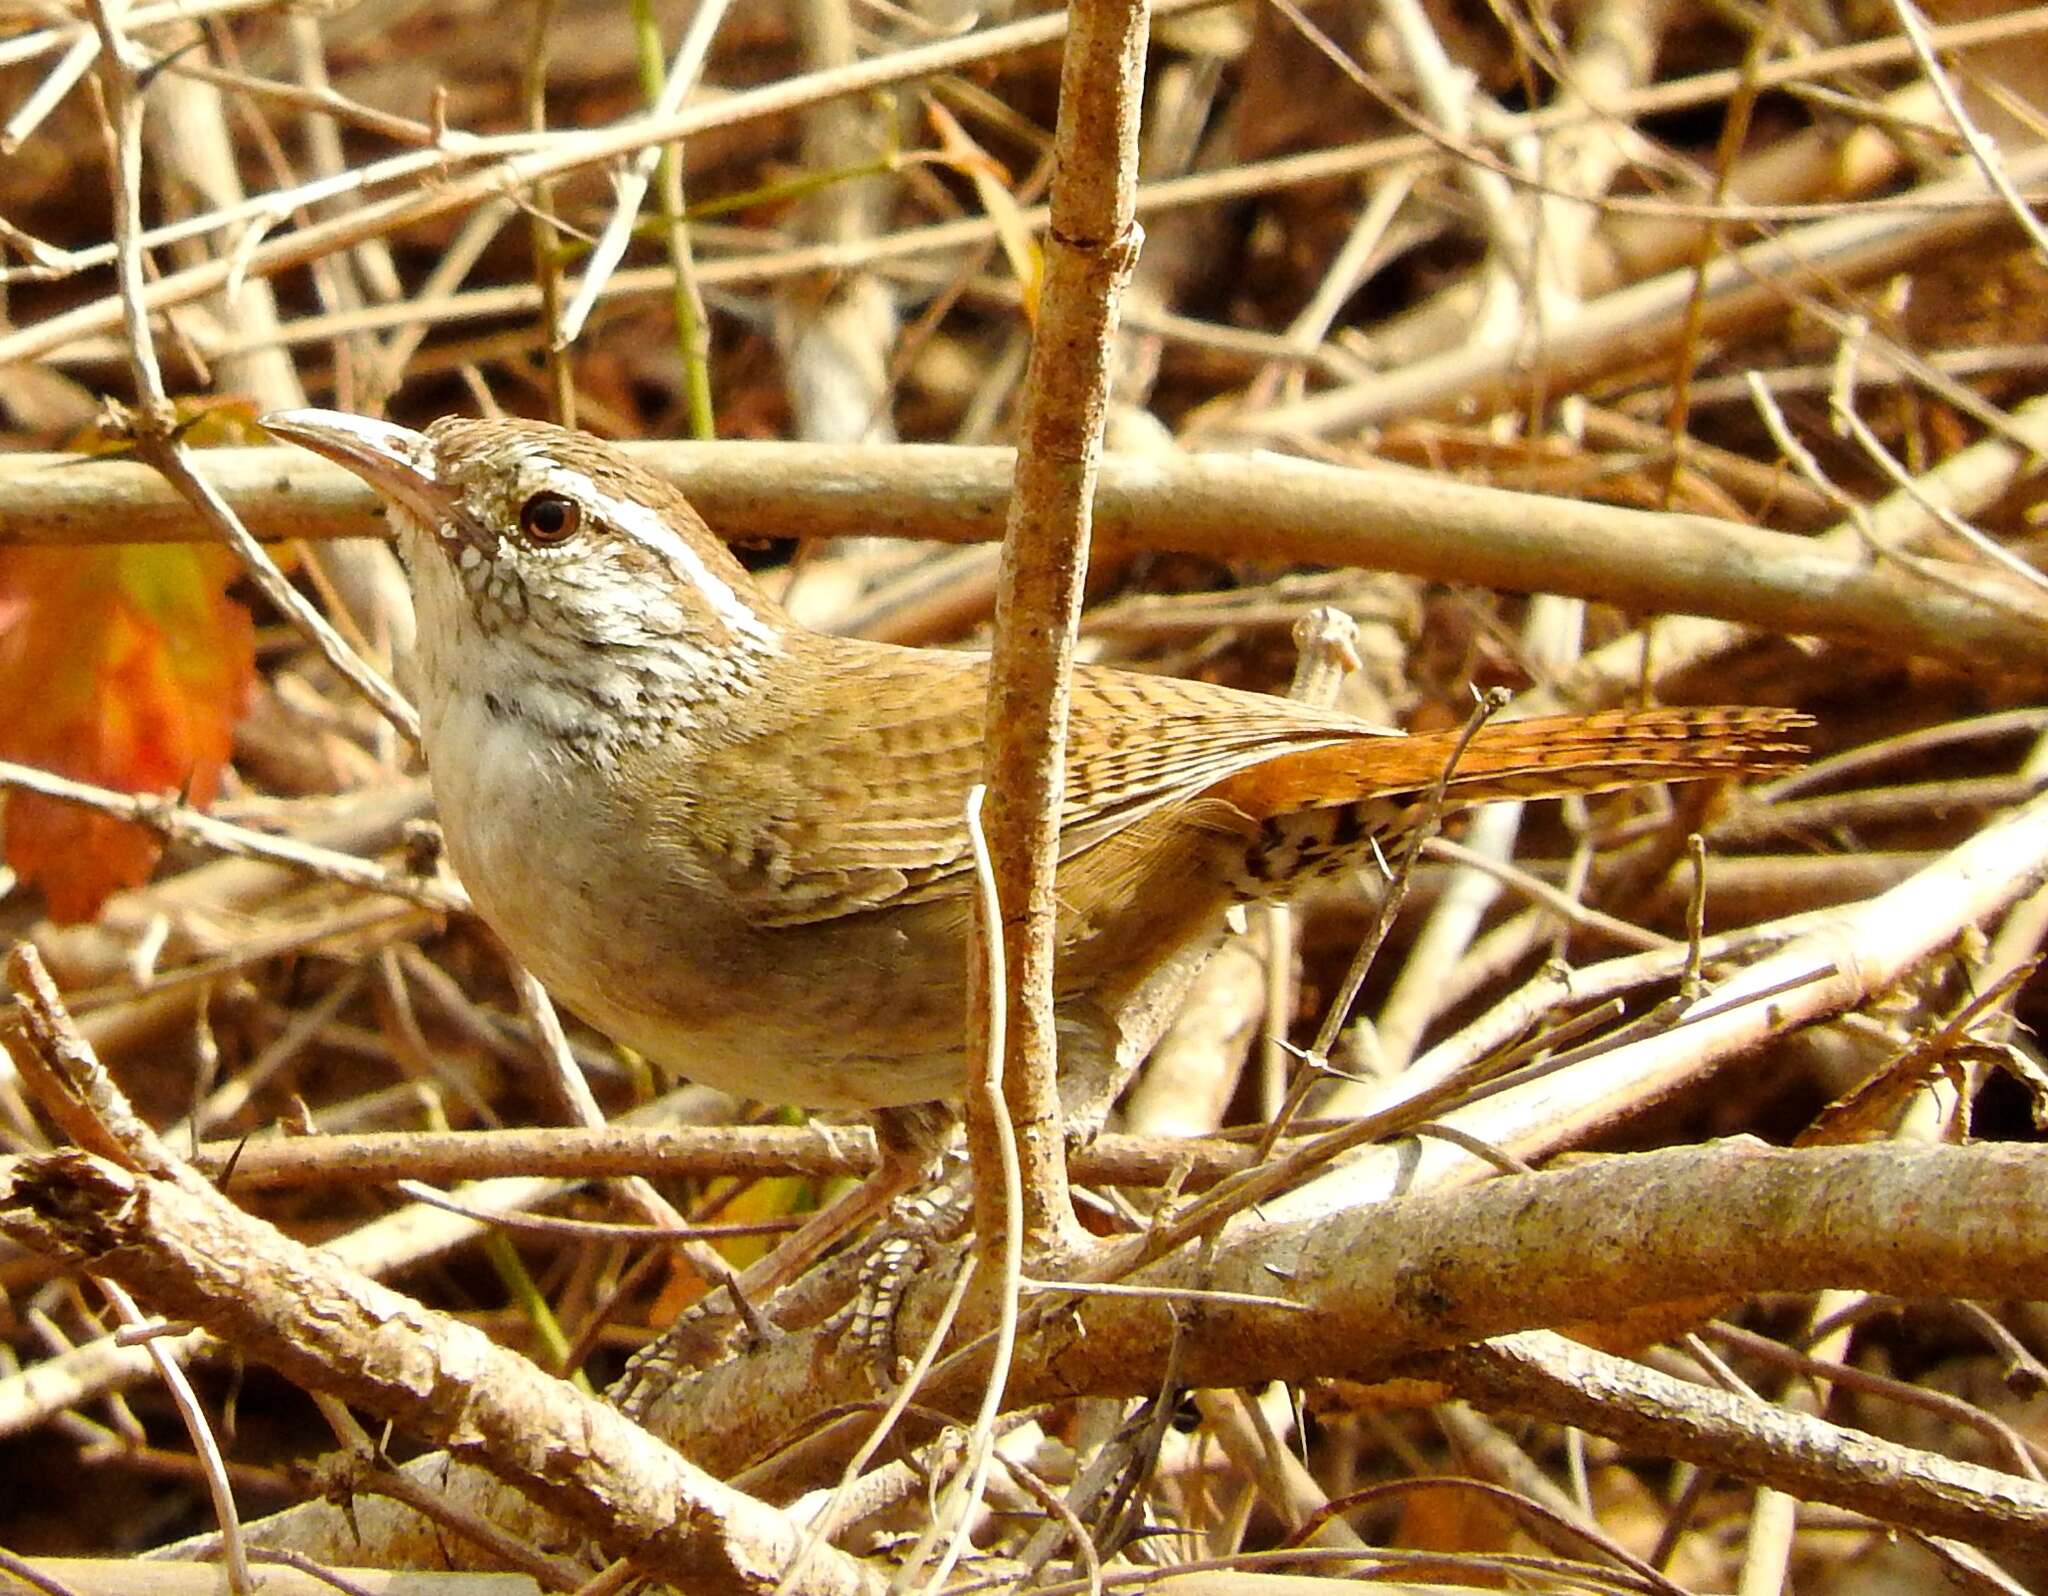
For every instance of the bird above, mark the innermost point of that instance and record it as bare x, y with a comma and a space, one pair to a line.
738, 845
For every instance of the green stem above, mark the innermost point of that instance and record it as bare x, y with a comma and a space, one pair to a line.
693, 334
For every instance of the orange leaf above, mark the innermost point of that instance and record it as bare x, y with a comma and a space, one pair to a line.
124, 666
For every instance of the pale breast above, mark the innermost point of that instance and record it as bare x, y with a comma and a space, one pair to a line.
617, 920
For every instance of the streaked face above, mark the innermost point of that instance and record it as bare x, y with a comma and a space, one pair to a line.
554, 530
543, 557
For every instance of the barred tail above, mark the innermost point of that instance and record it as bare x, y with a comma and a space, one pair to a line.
1548, 758
1317, 810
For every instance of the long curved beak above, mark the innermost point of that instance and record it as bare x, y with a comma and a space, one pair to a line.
395, 461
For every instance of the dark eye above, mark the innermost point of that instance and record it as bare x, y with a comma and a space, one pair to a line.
549, 518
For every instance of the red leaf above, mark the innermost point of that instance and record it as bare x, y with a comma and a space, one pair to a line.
123, 666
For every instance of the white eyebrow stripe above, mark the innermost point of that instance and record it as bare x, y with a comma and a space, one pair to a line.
639, 522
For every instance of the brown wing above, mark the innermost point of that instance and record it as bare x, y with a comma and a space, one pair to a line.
855, 797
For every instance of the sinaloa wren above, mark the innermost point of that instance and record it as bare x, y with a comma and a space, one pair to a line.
738, 845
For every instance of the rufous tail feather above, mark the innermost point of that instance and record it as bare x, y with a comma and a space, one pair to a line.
1553, 757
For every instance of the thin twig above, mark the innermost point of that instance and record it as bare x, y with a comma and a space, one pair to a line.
235, 1570
155, 429
180, 822
954, 1514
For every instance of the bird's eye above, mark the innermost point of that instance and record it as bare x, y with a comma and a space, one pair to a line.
549, 518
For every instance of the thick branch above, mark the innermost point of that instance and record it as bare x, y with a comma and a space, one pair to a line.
1382, 1282
1225, 507
191, 1255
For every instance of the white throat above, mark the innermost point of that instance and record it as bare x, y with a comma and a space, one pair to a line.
491, 669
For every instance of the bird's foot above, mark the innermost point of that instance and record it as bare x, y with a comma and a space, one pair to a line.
907, 1240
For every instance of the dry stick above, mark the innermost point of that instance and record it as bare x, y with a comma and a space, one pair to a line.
558, 155
1346, 271
636, 1191
794, 95
963, 1496
1807, 818
545, 238
386, 372
1543, 895
1614, 53
1709, 243
843, 356
205, 1445
362, 282
1767, 1551
1564, 1521
191, 149
230, 1097
156, 1226
649, 1230
901, 253
693, 331
1231, 508
1841, 408
1283, 1571
1510, 292
1965, 482
1294, 1495
1091, 248
315, 1322
1635, 322
1392, 896
173, 820
1502, 1256
1853, 329
156, 434
568, 1151
1975, 1568
830, 1517
1550, 638
897, 254
1982, 150
2021, 1449
1536, 1519
987, 44
1847, 957
1802, 460
1595, 1241
1539, 1374
1327, 641
318, 97
59, 81
631, 183
27, 46
337, 284
370, 820
407, 1238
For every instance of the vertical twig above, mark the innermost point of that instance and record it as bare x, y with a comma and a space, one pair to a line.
1709, 244
965, 1493
1091, 247
545, 237
633, 177
693, 333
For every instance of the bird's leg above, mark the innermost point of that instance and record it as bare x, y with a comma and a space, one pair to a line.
932, 1204
912, 1145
